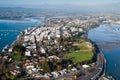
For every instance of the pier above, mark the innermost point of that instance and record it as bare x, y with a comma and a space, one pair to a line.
10, 31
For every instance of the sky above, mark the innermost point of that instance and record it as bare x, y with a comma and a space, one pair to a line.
30, 3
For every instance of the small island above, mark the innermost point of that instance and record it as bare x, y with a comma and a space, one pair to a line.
57, 50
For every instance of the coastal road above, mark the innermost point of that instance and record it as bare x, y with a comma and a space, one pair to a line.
98, 72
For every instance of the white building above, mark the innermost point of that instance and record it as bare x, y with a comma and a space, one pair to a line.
42, 50
85, 66
28, 53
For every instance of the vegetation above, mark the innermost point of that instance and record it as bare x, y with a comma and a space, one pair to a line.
82, 47
16, 57
44, 65
8, 75
81, 39
78, 57
82, 53
18, 51
18, 48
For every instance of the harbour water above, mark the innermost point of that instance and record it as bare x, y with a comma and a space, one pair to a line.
107, 37
7, 37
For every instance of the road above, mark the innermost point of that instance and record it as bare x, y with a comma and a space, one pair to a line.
98, 72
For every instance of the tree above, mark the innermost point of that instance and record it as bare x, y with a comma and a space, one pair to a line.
19, 48
59, 64
45, 66
8, 75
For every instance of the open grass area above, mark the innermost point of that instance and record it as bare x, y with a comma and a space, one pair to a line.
79, 56
82, 47
83, 53
17, 57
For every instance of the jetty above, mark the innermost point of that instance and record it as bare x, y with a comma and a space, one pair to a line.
10, 31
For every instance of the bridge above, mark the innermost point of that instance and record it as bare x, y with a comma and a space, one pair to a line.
10, 31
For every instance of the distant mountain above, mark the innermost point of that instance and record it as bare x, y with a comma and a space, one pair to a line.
57, 10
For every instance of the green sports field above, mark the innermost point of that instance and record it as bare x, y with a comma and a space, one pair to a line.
79, 56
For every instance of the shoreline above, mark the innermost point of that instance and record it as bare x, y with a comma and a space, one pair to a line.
103, 69
105, 61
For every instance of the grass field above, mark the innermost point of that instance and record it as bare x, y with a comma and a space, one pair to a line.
82, 47
83, 53
17, 57
79, 56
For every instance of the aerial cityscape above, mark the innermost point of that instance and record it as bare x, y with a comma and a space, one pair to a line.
59, 40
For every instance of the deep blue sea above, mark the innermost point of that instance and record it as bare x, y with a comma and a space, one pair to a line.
107, 38
6, 37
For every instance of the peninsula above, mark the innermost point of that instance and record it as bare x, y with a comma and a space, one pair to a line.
58, 50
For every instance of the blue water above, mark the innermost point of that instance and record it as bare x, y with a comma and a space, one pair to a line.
107, 38
6, 38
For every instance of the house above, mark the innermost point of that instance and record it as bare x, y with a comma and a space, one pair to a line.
58, 36
5, 57
42, 50
48, 75
10, 50
53, 57
31, 69
80, 30
15, 72
85, 66
26, 38
49, 37
55, 74
37, 75
74, 69
34, 55
57, 41
28, 53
